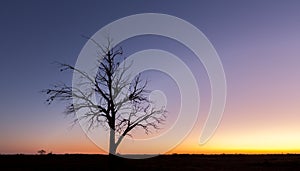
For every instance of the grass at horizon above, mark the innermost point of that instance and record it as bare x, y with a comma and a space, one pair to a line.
161, 162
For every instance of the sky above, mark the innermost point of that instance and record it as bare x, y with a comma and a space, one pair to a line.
258, 43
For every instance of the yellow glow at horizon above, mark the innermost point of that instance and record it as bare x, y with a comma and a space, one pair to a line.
268, 141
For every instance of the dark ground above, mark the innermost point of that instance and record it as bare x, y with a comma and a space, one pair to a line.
164, 162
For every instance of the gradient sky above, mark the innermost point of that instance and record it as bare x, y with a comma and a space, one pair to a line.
257, 41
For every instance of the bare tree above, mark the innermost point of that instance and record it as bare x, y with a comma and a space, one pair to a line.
122, 105
41, 152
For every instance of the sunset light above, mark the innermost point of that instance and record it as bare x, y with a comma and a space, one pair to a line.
142, 78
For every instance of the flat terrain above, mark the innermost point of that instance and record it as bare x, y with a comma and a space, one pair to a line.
163, 162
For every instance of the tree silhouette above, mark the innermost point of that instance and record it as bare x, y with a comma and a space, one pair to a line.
122, 104
41, 152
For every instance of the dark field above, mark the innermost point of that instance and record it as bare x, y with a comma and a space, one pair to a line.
164, 162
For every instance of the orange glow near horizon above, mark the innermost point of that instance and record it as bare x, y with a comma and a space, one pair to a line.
270, 135
227, 139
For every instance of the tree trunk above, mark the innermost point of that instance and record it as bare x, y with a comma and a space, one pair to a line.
112, 151
112, 143
115, 162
